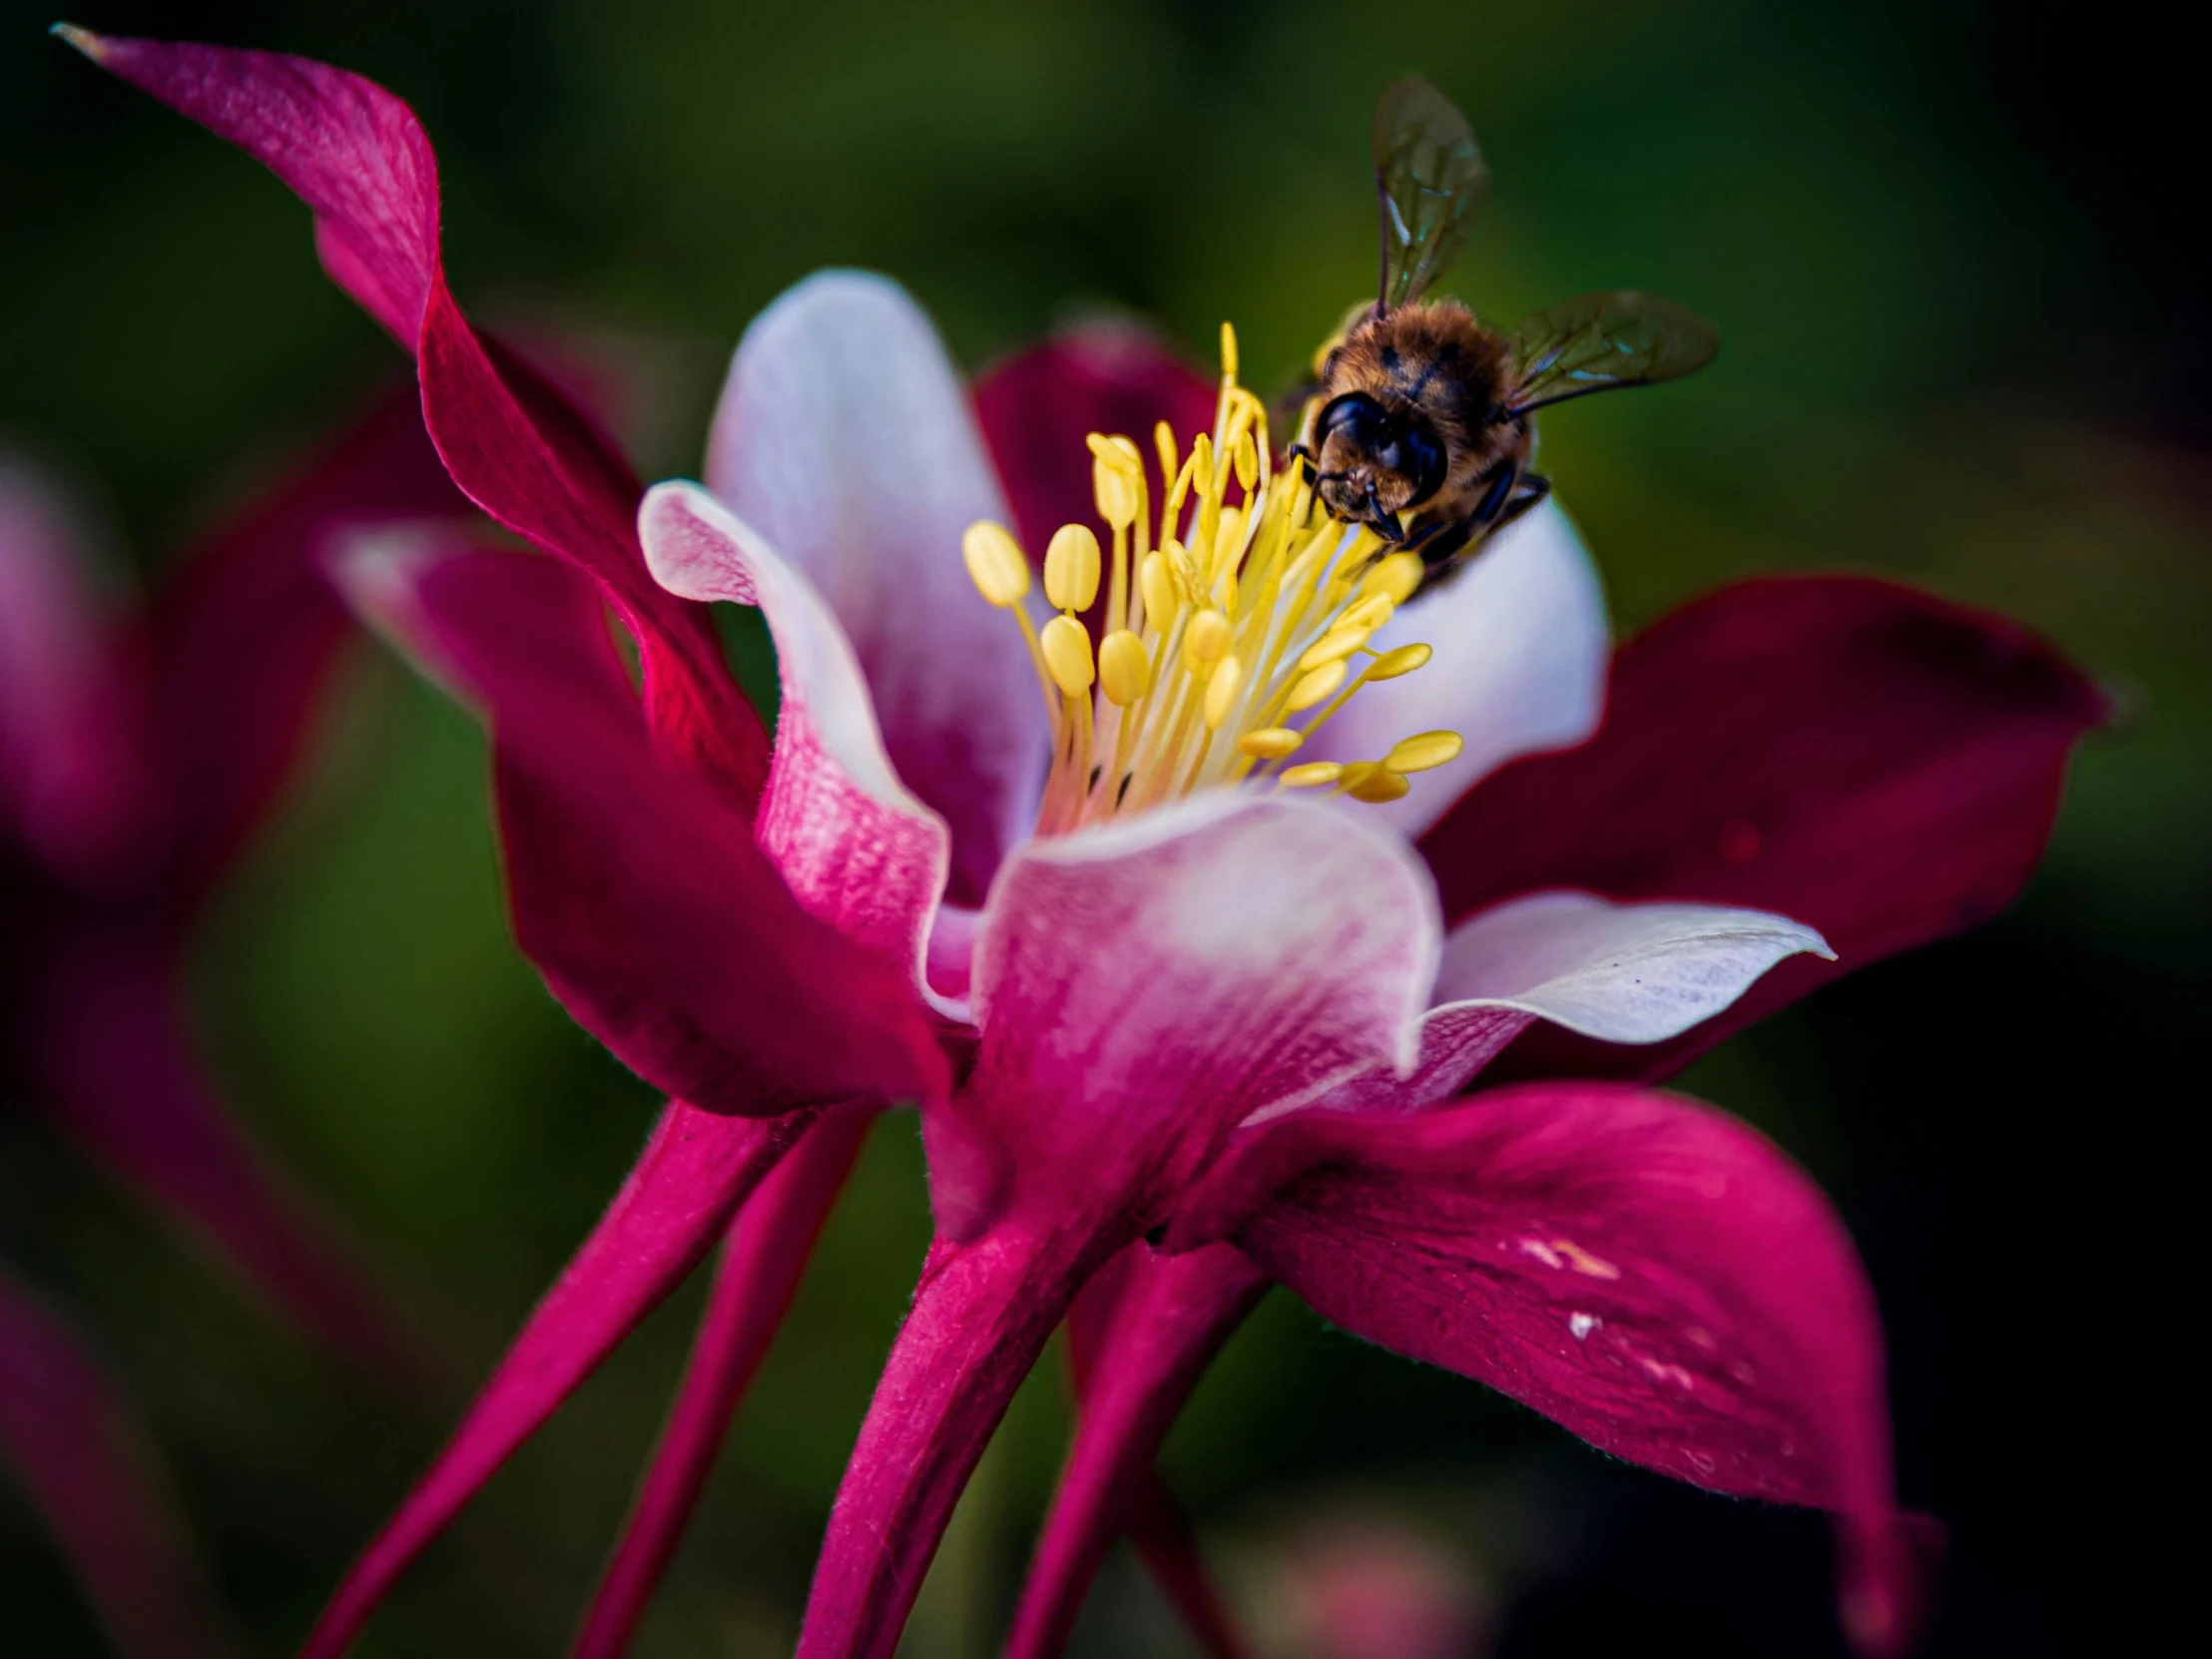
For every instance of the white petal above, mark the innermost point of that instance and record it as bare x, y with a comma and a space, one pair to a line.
845, 438
1522, 651
1623, 973
854, 844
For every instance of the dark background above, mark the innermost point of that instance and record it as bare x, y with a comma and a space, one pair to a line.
1962, 346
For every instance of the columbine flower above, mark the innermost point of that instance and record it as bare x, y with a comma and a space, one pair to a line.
1089, 883
136, 755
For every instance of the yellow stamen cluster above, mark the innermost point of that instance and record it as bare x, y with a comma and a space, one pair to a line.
1244, 615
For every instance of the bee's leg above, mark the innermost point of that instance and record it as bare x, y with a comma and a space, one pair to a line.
1494, 498
1528, 490
1442, 543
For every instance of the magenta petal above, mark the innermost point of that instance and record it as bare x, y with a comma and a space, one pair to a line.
1646, 1270
358, 157
762, 1261
1870, 760
1038, 405
114, 1064
636, 887
693, 1173
1171, 1317
73, 767
73, 1441
240, 641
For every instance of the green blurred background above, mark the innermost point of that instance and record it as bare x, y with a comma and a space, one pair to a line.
1961, 347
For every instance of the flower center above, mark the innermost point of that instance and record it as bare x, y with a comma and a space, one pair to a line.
1245, 631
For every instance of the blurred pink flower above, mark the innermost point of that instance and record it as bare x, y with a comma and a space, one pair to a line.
1358, 1587
1240, 1025
137, 753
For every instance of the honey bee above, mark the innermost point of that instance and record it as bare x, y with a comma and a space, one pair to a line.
1418, 421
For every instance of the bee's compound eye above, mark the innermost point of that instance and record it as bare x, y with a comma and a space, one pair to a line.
1357, 417
1422, 459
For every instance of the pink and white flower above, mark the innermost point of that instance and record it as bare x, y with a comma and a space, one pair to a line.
1025, 871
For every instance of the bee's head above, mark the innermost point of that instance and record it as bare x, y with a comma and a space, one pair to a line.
1372, 462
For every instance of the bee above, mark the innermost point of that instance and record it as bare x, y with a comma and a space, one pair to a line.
1418, 423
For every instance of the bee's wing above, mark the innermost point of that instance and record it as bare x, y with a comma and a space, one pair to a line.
1616, 338
1430, 178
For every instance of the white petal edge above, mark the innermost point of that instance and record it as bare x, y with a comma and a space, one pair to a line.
845, 438
1623, 973
856, 844
1521, 652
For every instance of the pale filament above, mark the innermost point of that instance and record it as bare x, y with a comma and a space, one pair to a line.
1224, 647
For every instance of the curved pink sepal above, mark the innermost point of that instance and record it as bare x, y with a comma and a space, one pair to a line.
636, 887
358, 157
71, 1439
1876, 763
762, 1261
1646, 1270
695, 1171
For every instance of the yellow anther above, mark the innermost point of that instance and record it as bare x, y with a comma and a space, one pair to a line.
1369, 613
1171, 462
1311, 773
1157, 583
1228, 352
1372, 781
1114, 480
1315, 687
1206, 639
995, 563
1397, 577
1071, 568
1404, 660
1270, 743
1067, 655
1189, 581
1335, 644
1245, 459
1124, 671
1227, 540
1423, 750
1221, 691
1202, 464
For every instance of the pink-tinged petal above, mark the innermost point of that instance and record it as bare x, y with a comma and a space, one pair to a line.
1170, 1318
1623, 973
1139, 988
852, 844
1874, 762
1648, 1272
635, 886
358, 157
1038, 407
78, 1450
240, 641
1521, 644
1145, 986
71, 761
693, 1173
346, 147
110, 1060
845, 438
1627, 974
767, 1250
